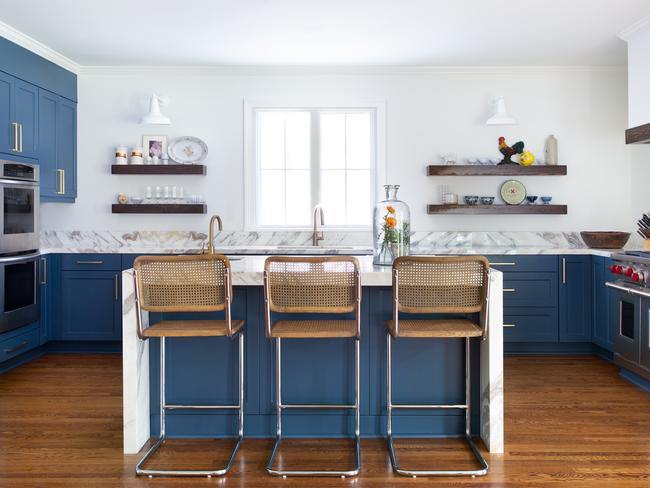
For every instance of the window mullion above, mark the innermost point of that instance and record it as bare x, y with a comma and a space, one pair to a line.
315, 158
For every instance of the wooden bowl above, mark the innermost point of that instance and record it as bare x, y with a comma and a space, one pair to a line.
605, 240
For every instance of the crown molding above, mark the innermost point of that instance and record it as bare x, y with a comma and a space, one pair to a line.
640, 26
14, 35
239, 70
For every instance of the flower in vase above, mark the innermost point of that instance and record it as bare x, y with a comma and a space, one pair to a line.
390, 209
391, 221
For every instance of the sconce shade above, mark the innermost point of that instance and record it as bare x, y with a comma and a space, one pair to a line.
501, 116
155, 116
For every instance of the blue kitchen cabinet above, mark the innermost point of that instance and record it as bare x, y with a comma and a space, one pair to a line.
6, 129
90, 305
575, 298
57, 147
26, 115
602, 333
47, 279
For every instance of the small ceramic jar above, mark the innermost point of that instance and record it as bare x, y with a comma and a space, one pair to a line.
120, 155
136, 155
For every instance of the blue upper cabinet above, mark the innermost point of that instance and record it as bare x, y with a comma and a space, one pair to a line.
575, 307
38, 118
57, 147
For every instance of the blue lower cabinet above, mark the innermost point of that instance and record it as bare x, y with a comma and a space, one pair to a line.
47, 281
575, 298
602, 332
90, 306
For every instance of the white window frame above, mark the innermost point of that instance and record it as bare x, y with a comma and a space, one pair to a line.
378, 172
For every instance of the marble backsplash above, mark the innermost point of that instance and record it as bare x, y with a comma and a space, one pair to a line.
169, 241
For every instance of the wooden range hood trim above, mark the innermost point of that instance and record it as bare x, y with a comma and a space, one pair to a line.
638, 135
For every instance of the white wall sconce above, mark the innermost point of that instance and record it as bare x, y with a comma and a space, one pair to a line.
155, 116
501, 116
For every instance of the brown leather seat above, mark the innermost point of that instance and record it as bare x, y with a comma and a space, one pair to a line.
443, 328
192, 328
321, 329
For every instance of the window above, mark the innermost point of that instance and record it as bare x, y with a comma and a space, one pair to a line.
302, 157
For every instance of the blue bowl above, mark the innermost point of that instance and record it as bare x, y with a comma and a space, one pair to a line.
546, 200
531, 199
487, 200
471, 199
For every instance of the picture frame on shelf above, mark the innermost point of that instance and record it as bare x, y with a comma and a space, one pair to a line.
154, 146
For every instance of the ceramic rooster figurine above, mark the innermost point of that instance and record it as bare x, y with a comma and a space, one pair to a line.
508, 152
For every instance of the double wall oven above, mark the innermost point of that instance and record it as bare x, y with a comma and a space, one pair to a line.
19, 243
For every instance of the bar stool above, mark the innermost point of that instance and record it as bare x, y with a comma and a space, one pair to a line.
187, 284
313, 285
444, 285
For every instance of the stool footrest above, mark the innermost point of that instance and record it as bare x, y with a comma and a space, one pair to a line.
201, 407
427, 407
318, 406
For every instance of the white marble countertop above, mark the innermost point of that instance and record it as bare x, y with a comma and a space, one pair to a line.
320, 250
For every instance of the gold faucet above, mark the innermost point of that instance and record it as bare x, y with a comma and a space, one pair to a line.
315, 237
211, 241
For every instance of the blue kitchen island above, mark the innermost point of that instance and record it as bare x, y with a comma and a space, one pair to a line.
204, 371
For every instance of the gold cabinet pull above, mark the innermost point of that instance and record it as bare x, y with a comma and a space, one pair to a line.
15, 136
564, 271
509, 290
21, 137
503, 264
43, 271
509, 325
16, 348
116, 287
61, 173
90, 262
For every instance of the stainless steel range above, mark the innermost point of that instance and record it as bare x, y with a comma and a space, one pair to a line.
630, 281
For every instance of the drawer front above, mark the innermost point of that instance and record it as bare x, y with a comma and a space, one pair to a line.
80, 262
530, 290
19, 344
530, 325
517, 263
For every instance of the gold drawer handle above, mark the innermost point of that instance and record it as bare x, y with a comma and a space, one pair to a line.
509, 325
44, 271
16, 348
21, 137
90, 262
117, 292
61, 173
503, 264
15, 146
509, 290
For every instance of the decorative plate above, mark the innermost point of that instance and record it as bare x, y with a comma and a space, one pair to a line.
187, 150
513, 192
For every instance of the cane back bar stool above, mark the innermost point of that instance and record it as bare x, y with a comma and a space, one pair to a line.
313, 285
438, 285
199, 283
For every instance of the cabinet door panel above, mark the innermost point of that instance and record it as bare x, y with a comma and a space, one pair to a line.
26, 114
66, 132
6, 132
90, 305
575, 299
530, 324
47, 143
601, 333
530, 290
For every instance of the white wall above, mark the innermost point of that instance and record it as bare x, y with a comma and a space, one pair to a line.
428, 112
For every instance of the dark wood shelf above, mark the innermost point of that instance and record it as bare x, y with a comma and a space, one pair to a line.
160, 208
522, 209
159, 169
494, 170
638, 135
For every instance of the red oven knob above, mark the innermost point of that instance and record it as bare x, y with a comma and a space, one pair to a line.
636, 277
617, 269
629, 271
612, 268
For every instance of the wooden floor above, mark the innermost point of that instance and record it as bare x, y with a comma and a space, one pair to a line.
569, 422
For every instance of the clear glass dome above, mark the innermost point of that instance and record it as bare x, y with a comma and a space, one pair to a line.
391, 228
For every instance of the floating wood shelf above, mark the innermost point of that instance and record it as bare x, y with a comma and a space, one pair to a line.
494, 170
159, 169
638, 135
160, 208
498, 209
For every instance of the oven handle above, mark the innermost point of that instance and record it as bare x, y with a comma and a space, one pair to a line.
17, 259
19, 183
632, 291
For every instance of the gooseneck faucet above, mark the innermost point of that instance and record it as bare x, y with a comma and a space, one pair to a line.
318, 236
211, 241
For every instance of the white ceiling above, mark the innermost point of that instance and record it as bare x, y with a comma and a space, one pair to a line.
329, 32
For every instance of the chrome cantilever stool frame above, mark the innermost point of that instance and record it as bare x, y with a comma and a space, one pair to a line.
313, 285
430, 285
200, 283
